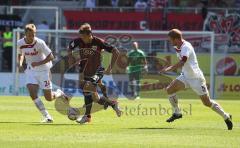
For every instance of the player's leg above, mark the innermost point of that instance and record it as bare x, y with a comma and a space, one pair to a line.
50, 95
87, 89
138, 79
103, 88
88, 106
175, 86
87, 92
104, 91
213, 105
33, 87
104, 101
46, 85
91, 88
33, 91
218, 109
200, 87
131, 80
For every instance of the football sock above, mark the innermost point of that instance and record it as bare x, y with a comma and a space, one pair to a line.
218, 109
39, 104
88, 102
174, 102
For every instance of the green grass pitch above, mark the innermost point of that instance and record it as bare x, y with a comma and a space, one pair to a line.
142, 125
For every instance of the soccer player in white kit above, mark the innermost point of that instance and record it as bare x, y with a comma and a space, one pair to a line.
191, 76
39, 61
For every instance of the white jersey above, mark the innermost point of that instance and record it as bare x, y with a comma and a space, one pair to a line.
34, 52
190, 69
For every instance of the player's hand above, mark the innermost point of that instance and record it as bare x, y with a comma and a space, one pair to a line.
127, 69
20, 68
34, 64
145, 68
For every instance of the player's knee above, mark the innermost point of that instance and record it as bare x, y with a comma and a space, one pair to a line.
92, 95
206, 100
89, 87
48, 97
207, 103
170, 90
95, 97
33, 96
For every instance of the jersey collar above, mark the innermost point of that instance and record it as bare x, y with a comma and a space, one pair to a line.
179, 49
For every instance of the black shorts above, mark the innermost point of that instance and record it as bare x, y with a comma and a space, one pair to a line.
95, 79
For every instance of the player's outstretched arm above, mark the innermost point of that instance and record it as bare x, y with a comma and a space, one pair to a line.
49, 58
172, 67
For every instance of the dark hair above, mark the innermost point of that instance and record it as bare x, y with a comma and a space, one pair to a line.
85, 28
85, 32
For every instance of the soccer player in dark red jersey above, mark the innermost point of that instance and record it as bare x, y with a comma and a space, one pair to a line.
90, 63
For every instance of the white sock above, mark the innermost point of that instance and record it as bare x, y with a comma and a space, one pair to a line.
174, 102
57, 93
39, 104
218, 109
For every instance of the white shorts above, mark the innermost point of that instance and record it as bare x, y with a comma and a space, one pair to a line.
198, 84
41, 78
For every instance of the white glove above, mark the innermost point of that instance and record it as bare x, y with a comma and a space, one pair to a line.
127, 69
146, 68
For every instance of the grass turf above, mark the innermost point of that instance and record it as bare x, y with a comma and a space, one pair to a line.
142, 125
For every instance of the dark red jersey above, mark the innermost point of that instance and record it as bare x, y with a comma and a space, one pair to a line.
90, 54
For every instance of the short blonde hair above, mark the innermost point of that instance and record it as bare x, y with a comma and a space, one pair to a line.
31, 27
175, 34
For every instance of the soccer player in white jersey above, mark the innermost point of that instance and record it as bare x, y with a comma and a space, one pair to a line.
39, 61
191, 76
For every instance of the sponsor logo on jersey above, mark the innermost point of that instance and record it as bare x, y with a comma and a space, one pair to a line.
32, 53
94, 48
87, 51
